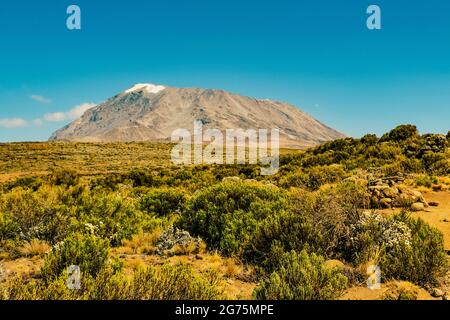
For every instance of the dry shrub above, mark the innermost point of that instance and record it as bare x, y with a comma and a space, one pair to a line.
134, 263
232, 269
143, 242
184, 249
34, 248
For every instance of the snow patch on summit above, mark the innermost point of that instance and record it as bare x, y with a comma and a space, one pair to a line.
148, 87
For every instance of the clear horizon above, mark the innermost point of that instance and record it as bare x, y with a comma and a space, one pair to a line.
318, 56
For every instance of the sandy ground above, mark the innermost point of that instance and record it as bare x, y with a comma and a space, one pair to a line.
364, 293
439, 216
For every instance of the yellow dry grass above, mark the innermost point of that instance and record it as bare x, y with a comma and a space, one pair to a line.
34, 248
142, 242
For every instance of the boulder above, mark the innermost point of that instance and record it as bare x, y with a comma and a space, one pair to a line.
436, 292
417, 196
418, 206
173, 237
390, 192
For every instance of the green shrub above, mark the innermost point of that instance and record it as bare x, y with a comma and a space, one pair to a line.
369, 139
87, 252
28, 215
315, 177
168, 282
33, 183
283, 231
391, 169
322, 222
140, 177
401, 133
226, 215
333, 213
110, 216
173, 283
425, 181
163, 201
300, 276
411, 165
421, 260
66, 177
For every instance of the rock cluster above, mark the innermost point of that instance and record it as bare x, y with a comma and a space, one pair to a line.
389, 192
173, 237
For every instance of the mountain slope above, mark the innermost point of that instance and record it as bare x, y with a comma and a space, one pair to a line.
150, 112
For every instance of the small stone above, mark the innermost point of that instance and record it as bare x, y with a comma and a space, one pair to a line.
433, 204
446, 296
402, 189
418, 197
418, 206
436, 292
390, 192
231, 179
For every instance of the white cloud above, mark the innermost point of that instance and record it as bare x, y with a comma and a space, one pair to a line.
13, 123
37, 122
56, 116
40, 99
79, 110
72, 114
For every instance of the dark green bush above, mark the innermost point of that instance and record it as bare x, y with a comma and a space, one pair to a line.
163, 201
369, 139
401, 133
140, 177
66, 177
33, 183
226, 215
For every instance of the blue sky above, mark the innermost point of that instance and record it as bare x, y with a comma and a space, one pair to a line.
317, 55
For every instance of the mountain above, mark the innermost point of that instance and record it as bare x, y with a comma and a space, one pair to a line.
152, 112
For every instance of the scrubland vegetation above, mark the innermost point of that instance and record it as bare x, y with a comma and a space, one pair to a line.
101, 206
